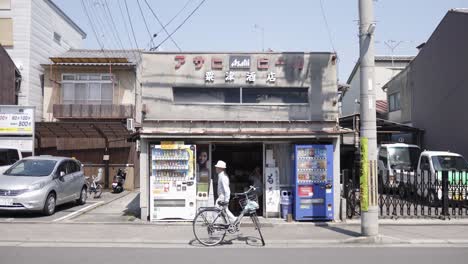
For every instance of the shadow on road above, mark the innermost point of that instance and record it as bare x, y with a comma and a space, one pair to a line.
342, 231
248, 240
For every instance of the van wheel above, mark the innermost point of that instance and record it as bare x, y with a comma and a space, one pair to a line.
83, 196
49, 205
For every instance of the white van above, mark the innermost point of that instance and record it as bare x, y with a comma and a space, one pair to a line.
429, 173
395, 158
8, 156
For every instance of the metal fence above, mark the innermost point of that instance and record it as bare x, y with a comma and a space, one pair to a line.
414, 194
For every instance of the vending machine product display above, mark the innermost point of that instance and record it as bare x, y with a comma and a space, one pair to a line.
172, 182
313, 182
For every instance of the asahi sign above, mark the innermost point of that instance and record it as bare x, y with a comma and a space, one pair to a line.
239, 62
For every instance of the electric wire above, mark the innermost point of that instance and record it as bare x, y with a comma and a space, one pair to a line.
92, 25
114, 27
99, 24
162, 25
144, 21
131, 24
326, 25
183, 22
174, 17
125, 24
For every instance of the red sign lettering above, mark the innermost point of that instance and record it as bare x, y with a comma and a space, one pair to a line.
198, 61
262, 64
180, 59
216, 63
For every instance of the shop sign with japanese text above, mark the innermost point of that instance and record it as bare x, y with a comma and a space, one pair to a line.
16, 120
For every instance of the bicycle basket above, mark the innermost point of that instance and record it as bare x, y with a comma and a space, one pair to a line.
250, 203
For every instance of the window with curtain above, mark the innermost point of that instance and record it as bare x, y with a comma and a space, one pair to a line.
92, 89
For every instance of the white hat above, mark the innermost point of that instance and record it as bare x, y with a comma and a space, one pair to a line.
221, 164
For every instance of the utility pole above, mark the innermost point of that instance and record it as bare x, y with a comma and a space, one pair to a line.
368, 138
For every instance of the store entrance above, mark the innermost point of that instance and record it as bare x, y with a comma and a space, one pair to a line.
244, 168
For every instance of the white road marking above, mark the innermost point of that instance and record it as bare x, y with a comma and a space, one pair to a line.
77, 212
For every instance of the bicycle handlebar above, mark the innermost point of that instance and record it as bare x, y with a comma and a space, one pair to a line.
252, 188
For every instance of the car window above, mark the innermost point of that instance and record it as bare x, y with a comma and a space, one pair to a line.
32, 168
72, 167
62, 167
449, 163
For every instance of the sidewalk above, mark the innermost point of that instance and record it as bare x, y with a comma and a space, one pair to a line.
149, 235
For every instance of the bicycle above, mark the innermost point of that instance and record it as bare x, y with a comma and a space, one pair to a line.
214, 221
94, 187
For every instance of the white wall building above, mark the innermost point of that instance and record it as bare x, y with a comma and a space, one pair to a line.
386, 67
32, 31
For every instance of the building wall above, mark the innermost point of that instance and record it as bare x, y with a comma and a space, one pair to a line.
384, 71
437, 82
34, 24
20, 13
318, 74
7, 79
124, 86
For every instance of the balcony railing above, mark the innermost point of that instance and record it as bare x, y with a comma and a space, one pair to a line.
71, 111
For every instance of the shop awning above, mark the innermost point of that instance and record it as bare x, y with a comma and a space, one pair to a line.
238, 130
105, 129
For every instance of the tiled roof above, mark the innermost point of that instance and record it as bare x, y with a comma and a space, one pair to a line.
395, 58
133, 56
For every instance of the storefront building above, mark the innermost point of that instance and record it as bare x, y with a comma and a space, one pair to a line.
251, 110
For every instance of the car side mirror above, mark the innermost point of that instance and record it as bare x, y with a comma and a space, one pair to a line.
62, 173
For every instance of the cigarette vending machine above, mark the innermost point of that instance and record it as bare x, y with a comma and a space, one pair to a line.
313, 179
172, 183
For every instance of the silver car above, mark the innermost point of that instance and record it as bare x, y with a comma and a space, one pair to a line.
41, 183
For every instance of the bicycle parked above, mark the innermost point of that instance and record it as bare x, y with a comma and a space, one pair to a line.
94, 187
211, 223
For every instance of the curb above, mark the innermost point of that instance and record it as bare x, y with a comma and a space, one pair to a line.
359, 242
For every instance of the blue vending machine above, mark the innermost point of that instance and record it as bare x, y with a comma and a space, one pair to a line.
313, 173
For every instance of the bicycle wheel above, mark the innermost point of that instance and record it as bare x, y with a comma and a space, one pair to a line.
257, 226
209, 227
98, 191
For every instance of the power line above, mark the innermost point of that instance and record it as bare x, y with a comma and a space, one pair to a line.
162, 25
92, 25
183, 22
125, 24
328, 28
131, 25
100, 25
144, 21
106, 6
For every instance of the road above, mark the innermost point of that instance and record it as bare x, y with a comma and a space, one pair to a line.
391, 255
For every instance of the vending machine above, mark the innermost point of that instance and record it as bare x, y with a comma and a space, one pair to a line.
313, 177
172, 182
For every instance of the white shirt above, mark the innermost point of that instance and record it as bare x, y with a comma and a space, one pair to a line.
224, 192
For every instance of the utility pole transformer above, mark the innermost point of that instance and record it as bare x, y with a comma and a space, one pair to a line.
368, 138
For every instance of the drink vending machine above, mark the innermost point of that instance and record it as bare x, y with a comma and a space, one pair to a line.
173, 182
313, 193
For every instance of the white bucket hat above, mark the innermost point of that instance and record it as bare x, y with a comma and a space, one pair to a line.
221, 164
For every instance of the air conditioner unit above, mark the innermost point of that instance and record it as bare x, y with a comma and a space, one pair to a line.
130, 124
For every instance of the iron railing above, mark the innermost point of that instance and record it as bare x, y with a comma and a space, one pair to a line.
415, 194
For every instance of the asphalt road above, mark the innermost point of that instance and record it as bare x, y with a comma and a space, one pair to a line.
390, 255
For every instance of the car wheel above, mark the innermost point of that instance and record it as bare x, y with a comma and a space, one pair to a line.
49, 205
83, 196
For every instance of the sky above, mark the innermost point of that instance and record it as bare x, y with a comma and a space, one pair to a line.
233, 26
